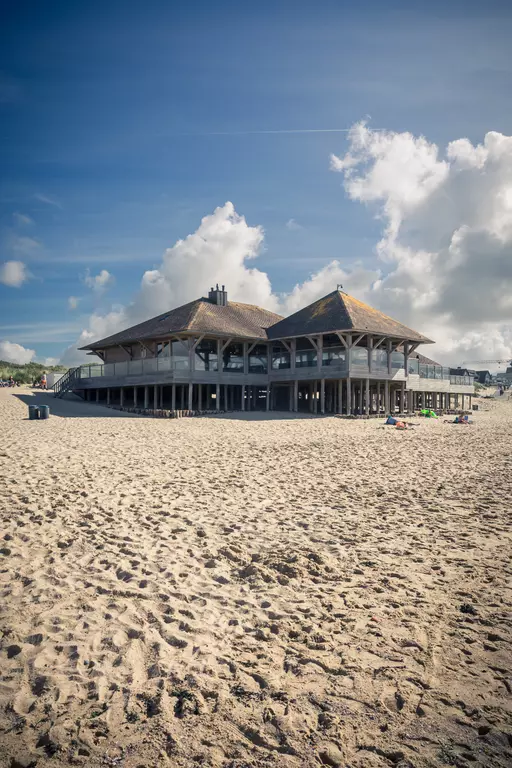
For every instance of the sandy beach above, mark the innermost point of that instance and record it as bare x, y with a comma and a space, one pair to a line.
243, 591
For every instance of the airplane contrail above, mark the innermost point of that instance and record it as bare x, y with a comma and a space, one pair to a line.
286, 130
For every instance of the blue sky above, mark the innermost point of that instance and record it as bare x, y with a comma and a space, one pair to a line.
123, 124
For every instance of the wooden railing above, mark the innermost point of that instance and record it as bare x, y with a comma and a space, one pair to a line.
67, 382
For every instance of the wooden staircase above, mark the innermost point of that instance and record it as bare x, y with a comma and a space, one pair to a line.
67, 383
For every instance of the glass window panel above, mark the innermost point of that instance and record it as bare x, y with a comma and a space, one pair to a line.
438, 372
333, 356
359, 356
380, 359
305, 358
233, 359
206, 356
414, 366
397, 360
280, 359
163, 349
180, 358
135, 366
258, 359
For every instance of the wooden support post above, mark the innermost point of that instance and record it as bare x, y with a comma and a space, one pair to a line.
121, 397
315, 399
290, 396
108, 396
225, 397
369, 343
246, 357
267, 398
146, 397
97, 395
339, 408
190, 396
199, 397
243, 398
135, 397
367, 403
360, 398
349, 396
378, 397
322, 395
402, 398
155, 397
173, 397
386, 397
293, 354
217, 397
389, 351
296, 396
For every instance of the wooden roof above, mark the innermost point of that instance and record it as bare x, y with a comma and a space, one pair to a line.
340, 312
199, 316
335, 312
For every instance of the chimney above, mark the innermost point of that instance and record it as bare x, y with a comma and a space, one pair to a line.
218, 296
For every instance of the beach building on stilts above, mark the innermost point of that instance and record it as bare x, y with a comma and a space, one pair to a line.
338, 355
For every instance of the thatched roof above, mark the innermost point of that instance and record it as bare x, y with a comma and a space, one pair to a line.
199, 316
340, 312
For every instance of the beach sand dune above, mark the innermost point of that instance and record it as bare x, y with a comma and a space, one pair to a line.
244, 592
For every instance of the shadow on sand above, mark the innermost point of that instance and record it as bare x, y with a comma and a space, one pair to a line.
72, 407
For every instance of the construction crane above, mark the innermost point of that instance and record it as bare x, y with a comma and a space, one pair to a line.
486, 362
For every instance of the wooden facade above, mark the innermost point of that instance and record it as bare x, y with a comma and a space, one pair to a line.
336, 356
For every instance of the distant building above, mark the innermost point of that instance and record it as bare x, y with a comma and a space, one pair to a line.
507, 376
484, 377
338, 355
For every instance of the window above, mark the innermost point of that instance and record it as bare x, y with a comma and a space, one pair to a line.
397, 360
414, 366
233, 359
258, 360
359, 357
333, 356
163, 349
305, 358
379, 359
280, 358
205, 358
180, 358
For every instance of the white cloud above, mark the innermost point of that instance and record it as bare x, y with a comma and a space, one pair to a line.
73, 302
100, 281
221, 250
293, 225
22, 243
49, 200
447, 235
15, 353
13, 273
50, 361
22, 220
444, 260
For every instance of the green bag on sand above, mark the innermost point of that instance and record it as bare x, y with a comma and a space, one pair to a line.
428, 413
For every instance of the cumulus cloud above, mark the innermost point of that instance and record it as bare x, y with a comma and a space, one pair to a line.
446, 245
73, 302
222, 250
15, 353
293, 225
443, 263
13, 273
100, 281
